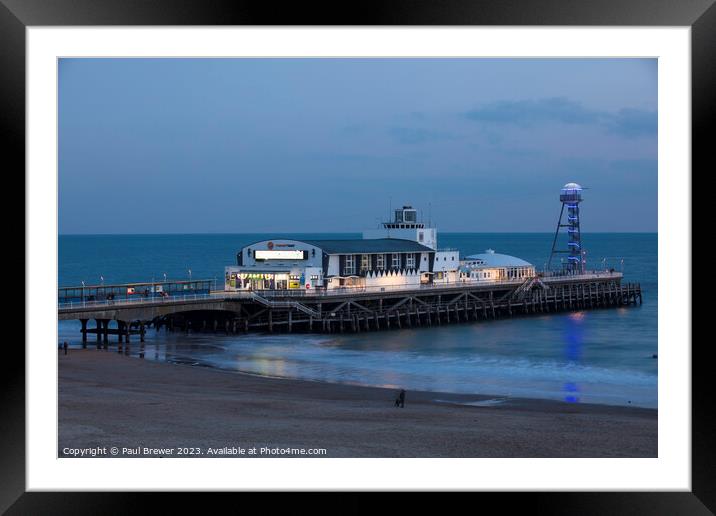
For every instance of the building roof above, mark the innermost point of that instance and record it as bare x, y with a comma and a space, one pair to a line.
369, 245
493, 259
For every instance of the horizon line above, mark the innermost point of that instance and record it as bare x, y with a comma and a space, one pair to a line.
349, 232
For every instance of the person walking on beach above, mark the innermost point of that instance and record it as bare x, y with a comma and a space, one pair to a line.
400, 400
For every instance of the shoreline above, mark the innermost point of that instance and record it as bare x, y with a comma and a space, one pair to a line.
445, 396
107, 399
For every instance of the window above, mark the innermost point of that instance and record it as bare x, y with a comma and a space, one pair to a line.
365, 262
410, 261
380, 262
396, 261
420, 236
350, 264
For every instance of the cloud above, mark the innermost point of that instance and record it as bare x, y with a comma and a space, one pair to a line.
633, 123
528, 113
415, 135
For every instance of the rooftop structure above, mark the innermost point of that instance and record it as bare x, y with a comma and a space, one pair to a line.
378, 245
405, 225
493, 259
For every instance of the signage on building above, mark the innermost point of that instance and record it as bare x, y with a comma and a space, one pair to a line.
279, 255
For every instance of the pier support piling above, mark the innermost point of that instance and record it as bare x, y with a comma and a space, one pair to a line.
84, 333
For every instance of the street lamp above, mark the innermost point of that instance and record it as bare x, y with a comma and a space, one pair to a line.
83, 291
584, 260
165, 277
189, 274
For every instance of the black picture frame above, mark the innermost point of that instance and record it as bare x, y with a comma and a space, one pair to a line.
16, 15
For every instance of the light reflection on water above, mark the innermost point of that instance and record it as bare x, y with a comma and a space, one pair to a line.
573, 351
577, 358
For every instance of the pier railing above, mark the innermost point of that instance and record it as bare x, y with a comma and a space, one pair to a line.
138, 301
313, 293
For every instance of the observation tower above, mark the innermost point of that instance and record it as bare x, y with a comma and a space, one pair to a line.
570, 196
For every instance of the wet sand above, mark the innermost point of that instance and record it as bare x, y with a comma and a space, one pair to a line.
107, 399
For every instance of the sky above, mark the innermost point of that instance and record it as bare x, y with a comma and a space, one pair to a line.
329, 145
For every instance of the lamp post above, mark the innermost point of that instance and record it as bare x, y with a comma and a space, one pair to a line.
83, 292
584, 261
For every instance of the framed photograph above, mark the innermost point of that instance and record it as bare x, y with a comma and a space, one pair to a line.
430, 248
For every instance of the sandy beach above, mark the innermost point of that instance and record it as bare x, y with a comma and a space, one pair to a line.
111, 400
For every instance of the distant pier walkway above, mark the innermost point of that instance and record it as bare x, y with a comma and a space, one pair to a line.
130, 309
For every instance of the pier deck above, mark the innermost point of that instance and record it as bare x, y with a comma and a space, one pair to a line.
347, 310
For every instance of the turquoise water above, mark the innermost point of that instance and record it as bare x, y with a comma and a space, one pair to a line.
598, 356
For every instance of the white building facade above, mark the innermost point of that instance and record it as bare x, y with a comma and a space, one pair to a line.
402, 254
330, 264
492, 266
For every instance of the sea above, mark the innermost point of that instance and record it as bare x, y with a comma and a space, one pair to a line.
606, 356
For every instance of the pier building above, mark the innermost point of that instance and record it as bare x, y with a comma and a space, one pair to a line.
403, 253
492, 266
330, 264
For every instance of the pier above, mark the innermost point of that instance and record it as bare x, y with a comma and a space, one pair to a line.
127, 311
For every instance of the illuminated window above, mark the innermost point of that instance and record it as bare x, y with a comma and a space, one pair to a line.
380, 262
365, 262
350, 264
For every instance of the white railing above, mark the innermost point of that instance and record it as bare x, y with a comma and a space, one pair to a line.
586, 276
340, 291
140, 300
